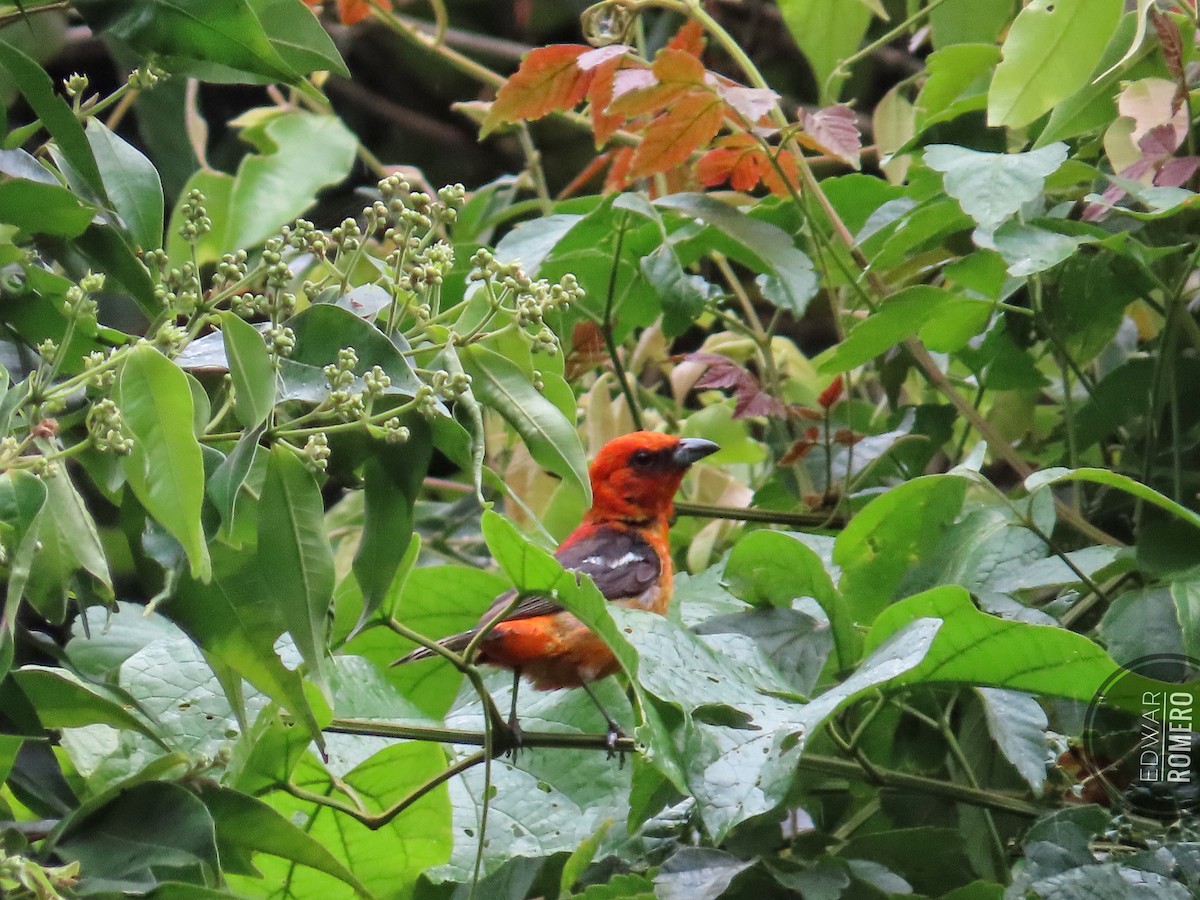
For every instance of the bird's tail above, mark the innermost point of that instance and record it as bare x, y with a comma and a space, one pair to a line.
454, 642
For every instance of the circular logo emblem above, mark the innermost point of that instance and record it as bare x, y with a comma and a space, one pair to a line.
1141, 739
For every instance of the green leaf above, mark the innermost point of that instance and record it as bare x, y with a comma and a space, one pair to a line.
63, 700
165, 468
38, 208
183, 32
968, 21
236, 619
225, 487
132, 184
323, 329
773, 568
899, 317
154, 831
298, 37
972, 647
1039, 480
827, 32
1051, 50
788, 280
697, 873
53, 111
22, 496
878, 547
1018, 723
387, 861
294, 553
1095, 106
551, 438
297, 154
957, 83
992, 187
251, 369
392, 479
245, 826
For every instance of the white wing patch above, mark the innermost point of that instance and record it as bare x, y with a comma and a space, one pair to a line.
629, 557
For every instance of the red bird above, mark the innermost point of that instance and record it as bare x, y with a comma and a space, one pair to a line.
621, 543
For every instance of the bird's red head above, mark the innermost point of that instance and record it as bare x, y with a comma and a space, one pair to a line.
635, 476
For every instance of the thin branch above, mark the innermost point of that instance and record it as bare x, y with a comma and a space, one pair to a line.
531, 739
770, 516
379, 820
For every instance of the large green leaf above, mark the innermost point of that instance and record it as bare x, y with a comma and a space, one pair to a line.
236, 619
297, 36
132, 184
772, 567
788, 280
972, 647
63, 700
245, 826
37, 208
154, 831
1052, 48
992, 187
251, 370
392, 479
294, 553
387, 860
165, 468
551, 438
827, 31
55, 114
878, 548
185, 33
296, 155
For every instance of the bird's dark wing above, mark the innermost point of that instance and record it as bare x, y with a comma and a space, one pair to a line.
621, 563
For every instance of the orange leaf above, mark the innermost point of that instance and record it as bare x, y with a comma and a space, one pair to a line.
833, 130
353, 11
735, 161
638, 92
604, 123
548, 79
669, 140
678, 66
618, 175
741, 161
689, 38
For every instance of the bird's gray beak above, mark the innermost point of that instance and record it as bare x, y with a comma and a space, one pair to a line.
689, 450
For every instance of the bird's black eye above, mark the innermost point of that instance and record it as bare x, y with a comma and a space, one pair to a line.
642, 459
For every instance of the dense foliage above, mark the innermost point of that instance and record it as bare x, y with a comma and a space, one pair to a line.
247, 459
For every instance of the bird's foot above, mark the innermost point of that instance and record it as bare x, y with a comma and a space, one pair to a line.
516, 738
614, 733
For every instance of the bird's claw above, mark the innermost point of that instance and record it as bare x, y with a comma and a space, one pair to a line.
614, 733
516, 739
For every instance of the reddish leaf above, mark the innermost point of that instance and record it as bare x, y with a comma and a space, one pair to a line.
593, 59
618, 175
689, 38
752, 104
670, 139
549, 78
741, 160
600, 94
833, 130
797, 452
723, 372
1171, 42
1177, 171
588, 349
639, 92
833, 393
737, 165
